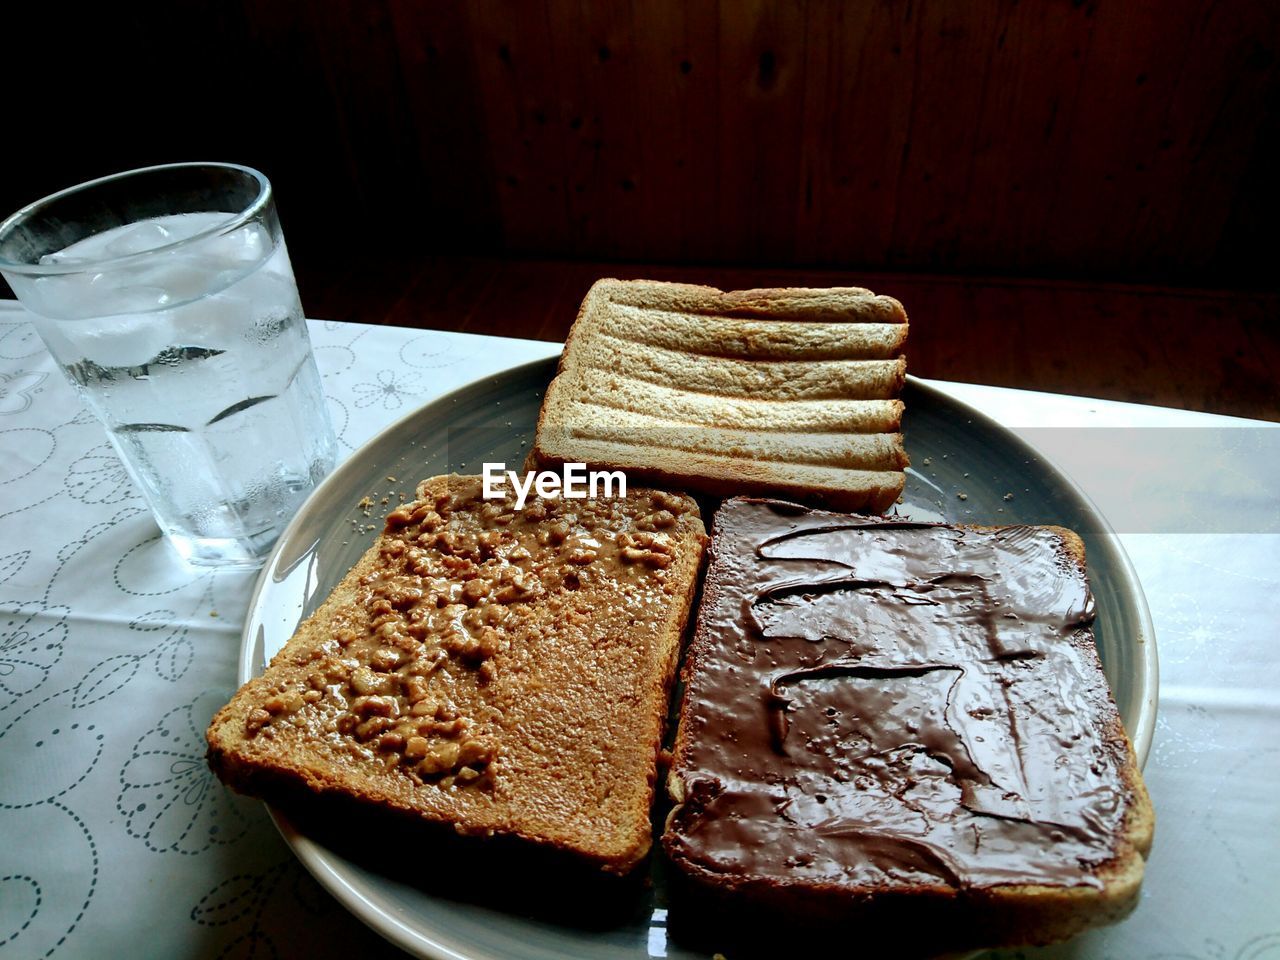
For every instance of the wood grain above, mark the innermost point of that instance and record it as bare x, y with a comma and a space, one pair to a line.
1208, 350
1102, 139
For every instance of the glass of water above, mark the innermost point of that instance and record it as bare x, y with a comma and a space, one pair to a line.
167, 298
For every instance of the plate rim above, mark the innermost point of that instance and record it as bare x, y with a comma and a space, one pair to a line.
317, 859
1144, 727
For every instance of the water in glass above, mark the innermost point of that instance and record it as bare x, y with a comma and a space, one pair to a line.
196, 358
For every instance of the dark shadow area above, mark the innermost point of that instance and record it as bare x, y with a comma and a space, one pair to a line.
497, 873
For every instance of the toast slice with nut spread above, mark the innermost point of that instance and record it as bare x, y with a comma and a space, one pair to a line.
900, 730
789, 392
503, 672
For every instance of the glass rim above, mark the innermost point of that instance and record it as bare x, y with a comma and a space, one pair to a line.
237, 220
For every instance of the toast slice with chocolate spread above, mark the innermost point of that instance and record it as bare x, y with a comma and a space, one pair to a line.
901, 731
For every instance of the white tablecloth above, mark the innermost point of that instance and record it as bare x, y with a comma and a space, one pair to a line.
115, 840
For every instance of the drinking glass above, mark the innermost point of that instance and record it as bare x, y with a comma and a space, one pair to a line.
166, 297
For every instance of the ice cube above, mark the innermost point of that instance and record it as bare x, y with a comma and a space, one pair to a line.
183, 277
61, 256
134, 298
140, 237
137, 238
235, 250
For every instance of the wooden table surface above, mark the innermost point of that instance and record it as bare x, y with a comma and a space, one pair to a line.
1214, 351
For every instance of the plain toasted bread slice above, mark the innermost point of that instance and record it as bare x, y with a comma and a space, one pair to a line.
791, 392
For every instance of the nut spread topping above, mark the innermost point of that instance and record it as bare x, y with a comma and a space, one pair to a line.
410, 673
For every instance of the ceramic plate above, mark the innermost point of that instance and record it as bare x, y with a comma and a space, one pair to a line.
965, 469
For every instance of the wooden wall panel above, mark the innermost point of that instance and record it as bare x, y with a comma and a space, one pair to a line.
454, 154
594, 52
1226, 99
1031, 96
858, 115
1120, 139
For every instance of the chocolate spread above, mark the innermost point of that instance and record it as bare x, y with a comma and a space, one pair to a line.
873, 701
